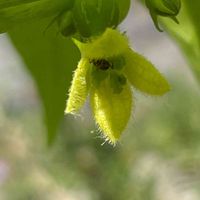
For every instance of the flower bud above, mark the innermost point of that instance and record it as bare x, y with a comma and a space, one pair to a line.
165, 8
92, 17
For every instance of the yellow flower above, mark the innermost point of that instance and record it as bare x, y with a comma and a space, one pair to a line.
106, 72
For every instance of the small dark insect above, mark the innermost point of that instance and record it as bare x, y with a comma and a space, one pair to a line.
101, 64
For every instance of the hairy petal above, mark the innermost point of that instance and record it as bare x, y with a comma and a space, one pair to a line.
111, 110
79, 88
143, 75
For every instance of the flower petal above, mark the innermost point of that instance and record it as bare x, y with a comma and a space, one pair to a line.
110, 44
143, 75
111, 110
79, 88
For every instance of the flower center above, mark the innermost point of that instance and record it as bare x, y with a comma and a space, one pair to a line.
101, 64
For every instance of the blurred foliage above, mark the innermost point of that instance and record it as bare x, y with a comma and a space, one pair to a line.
152, 148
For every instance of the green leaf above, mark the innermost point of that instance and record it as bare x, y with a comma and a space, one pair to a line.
22, 13
10, 3
50, 59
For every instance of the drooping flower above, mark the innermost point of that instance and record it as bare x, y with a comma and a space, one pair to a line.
107, 70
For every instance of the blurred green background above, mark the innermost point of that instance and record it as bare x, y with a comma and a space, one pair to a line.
159, 154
